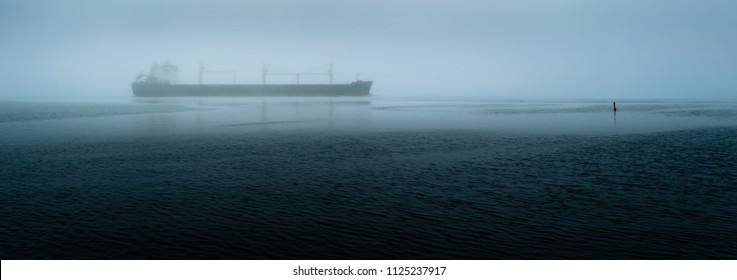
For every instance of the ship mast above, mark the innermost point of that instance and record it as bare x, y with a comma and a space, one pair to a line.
264, 73
203, 71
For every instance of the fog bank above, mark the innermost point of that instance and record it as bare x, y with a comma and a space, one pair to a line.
544, 48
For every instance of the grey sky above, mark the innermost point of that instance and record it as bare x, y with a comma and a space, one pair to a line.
543, 48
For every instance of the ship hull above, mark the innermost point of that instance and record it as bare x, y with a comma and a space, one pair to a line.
144, 89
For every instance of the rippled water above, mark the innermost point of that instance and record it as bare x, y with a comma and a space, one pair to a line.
361, 178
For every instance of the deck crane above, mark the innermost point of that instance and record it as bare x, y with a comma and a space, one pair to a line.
265, 72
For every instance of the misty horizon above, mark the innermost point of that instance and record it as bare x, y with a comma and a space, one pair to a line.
540, 49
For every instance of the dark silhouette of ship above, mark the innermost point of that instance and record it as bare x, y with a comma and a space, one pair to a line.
163, 81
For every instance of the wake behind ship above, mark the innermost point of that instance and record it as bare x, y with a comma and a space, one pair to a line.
163, 81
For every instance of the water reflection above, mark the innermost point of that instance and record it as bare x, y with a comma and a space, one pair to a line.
615, 119
556, 117
135, 117
216, 113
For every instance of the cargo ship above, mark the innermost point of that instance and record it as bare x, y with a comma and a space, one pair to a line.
163, 81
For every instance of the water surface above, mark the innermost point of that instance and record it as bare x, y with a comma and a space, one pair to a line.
367, 178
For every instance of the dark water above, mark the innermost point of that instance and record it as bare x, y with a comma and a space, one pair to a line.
367, 179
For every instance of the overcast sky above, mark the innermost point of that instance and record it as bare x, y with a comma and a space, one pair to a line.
538, 48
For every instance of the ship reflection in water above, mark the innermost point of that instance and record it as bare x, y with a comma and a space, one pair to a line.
232, 114
162, 117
